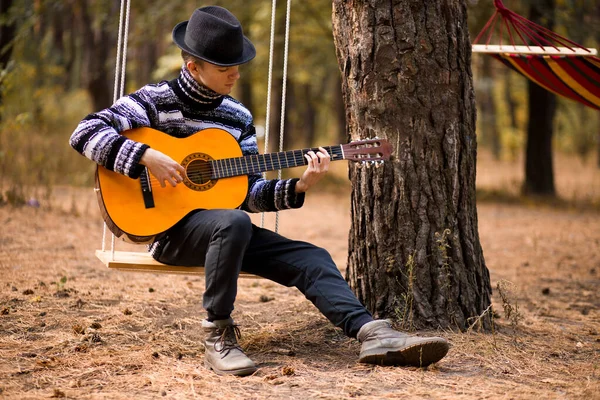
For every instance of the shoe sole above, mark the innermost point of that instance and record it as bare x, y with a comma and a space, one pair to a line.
237, 372
418, 355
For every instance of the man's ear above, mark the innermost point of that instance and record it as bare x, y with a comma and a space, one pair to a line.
192, 66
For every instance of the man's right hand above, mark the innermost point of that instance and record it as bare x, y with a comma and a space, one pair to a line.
163, 167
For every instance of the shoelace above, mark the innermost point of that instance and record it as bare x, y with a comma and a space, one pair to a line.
228, 340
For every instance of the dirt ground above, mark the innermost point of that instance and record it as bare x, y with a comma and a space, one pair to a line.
71, 328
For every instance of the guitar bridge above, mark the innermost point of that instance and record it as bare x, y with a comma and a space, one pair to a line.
146, 189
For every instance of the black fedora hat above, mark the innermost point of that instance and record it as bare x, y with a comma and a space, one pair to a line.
215, 35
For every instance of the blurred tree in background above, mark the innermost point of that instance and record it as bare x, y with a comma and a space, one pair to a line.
539, 166
8, 30
57, 61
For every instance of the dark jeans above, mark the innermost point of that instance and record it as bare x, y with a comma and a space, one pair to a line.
226, 242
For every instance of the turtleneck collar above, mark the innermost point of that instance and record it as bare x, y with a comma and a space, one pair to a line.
195, 93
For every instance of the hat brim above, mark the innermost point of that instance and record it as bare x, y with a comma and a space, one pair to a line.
248, 53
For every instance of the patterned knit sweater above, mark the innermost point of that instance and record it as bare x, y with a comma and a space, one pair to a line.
180, 108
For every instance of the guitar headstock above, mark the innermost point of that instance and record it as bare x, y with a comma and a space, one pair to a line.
367, 150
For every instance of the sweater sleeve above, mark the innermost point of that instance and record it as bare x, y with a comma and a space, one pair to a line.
98, 136
263, 194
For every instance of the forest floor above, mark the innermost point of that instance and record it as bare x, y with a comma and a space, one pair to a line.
71, 328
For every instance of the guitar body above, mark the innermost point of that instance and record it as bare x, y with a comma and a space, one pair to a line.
128, 211
216, 176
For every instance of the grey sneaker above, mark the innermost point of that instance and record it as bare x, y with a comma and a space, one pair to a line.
222, 351
383, 345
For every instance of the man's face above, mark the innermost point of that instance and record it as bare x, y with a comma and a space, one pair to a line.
219, 79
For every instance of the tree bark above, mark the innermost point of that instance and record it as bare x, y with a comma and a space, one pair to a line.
598, 151
414, 250
539, 169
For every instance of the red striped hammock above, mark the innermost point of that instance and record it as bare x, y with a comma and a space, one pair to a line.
557, 64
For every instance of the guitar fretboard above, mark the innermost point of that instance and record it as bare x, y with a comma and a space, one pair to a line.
246, 165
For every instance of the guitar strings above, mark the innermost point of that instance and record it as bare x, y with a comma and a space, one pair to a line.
241, 163
204, 171
259, 163
237, 161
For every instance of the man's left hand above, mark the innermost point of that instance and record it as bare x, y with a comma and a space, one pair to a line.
318, 165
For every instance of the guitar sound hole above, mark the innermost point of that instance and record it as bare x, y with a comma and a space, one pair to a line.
198, 171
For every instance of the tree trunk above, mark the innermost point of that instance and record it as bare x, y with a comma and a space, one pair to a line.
145, 55
8, 32
308, 123
598, 150
598, 141
245, 89
539, 169
414, 246
488, 109
72, 65
291, 113
277, 85
98, 44
511, 105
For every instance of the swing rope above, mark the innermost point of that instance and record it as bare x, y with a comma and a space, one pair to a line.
269, 85
283, 92
119, 88
283, 89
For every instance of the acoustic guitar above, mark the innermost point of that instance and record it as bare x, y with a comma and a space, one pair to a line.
215, 177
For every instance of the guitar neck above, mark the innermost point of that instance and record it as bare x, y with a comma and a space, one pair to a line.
255, 164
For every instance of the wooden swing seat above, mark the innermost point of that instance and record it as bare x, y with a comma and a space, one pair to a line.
133, 261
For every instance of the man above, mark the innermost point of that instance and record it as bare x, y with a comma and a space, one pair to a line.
225, 241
